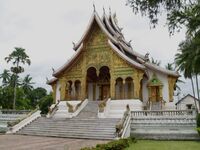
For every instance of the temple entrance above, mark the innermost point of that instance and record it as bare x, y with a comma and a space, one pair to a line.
98, 86
155, 96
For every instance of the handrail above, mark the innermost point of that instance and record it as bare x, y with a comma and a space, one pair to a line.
53, 110
120, 126
161, 113
31, 117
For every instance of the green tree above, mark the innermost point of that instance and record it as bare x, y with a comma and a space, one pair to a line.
27, 84
45, 103
5, 76
188, 57
17, 57
6, 97
36, 94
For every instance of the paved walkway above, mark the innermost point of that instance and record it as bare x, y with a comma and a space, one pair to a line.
20, 142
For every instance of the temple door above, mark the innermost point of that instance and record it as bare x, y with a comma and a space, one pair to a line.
105, 92
154, 93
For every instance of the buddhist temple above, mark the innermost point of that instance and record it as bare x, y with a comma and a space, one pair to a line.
105, 65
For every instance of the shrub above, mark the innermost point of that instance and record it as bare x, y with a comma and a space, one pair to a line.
198, 123
45, 103
113, 145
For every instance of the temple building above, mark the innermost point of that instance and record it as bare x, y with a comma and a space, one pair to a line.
106, 66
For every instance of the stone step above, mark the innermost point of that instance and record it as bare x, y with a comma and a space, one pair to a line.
71, 128
89, 128
100, 132
73, 136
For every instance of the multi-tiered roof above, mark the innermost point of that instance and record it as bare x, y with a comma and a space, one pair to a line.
116, 40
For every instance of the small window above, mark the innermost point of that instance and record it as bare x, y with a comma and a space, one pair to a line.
189, 106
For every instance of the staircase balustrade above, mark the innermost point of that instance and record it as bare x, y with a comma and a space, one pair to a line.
162, 113
123, 124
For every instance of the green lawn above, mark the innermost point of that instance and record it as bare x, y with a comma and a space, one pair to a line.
164, 145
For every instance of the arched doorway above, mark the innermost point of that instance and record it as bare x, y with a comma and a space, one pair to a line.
104, 82
129, 88
119, 88
77, 89
91, 83
98, 85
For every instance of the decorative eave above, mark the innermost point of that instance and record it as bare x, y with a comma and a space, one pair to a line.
115, 38
117, 35
69, 62
126, 58
95, 17
52, 81
162, 70
114, 24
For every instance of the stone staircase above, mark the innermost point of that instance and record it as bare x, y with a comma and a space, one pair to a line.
91, 128
86, 125
164, 128
90, 111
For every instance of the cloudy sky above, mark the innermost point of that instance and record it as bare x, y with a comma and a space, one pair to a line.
46, 29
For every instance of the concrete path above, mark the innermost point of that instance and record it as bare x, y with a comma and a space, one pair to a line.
20, 142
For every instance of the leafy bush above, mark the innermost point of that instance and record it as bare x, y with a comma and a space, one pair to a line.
45, 103
198, 123
113, 145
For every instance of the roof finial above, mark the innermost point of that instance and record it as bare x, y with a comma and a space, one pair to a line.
74, 45
53, 69
94, 7
110, 10
104, 10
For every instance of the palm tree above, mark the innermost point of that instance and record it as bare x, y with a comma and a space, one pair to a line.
27, 84
5, 76
155, 62
17, 57
185, 63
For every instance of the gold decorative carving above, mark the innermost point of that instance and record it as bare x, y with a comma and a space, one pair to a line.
171, 84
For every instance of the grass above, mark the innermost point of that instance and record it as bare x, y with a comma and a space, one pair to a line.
164, 145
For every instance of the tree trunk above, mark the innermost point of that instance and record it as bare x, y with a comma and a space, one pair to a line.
15, 93
194, 94
197, 84
15, 88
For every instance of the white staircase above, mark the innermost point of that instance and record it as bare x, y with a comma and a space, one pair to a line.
86, 125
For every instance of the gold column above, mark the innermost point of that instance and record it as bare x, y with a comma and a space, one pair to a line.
112, 87
63, 89
137, 77
171, 84
54, 92
123, 88
83, 88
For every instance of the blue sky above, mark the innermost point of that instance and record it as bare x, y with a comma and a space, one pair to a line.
47, 28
